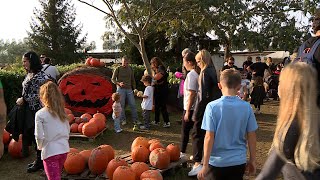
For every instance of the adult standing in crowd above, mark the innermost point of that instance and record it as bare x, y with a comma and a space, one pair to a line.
310, 42
296, 144
161, 91
183, 54
191, 87
271, 65
48, 68
258, 68
230, 64
123, 77
247, 63
30, 99
3, 118
208, 91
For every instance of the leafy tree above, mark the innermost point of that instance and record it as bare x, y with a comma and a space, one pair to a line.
53, 31
12, 51
140, 18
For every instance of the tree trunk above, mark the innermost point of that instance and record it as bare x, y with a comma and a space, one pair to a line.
144, 56
227, 51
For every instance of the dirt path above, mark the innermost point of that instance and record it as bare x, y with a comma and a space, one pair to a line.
15, 169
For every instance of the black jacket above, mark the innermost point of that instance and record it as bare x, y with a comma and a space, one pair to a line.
208, 91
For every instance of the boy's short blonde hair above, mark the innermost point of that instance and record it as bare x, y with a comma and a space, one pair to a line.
115, 96
231, 78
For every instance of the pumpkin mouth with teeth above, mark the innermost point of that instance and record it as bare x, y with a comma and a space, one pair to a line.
88, 90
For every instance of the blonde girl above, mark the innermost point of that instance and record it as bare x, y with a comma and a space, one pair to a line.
52, 130
296, 140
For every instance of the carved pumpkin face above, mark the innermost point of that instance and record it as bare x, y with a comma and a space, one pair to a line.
87, 93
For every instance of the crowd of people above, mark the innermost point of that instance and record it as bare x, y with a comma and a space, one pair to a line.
217, 113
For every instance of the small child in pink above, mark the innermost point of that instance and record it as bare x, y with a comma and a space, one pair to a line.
52, 130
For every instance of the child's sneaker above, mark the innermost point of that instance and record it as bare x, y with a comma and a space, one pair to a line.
182, 155
119, 131
124, 122
257, 111
166, 125
155, 123
144, 128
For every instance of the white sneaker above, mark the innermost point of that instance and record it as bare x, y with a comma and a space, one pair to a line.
123, 122
166, 125
195, 170
182, 155
119, 131
155, 123
191, 158
257, 112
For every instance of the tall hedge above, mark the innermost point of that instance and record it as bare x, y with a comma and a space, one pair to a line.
13, 76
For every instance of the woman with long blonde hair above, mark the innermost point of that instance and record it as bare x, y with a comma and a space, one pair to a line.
52, 130
296, 142
207, 92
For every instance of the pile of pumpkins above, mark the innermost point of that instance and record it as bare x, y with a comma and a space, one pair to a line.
158, 155
94, 62
14, 147
86, 124
102, 160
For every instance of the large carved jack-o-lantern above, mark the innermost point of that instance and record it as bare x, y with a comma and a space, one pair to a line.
88, 90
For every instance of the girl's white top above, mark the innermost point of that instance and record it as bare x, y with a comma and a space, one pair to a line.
52, 134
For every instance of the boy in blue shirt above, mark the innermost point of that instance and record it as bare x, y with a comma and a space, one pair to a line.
229, 122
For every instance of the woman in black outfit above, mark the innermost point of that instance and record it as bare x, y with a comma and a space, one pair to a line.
208, 91
161, 90
30, 99
296, 144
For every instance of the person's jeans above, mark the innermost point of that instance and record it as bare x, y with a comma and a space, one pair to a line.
146, 117
116, 122
53, 166
127, 94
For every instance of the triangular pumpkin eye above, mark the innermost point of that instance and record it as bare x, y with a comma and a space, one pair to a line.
69, 83
96, 84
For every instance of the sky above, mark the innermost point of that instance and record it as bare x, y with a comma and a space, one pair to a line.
16, 16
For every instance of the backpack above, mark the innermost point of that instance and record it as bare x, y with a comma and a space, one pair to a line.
307, 54
49, 76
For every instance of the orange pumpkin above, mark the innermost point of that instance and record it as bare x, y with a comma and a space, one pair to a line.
99, 122
159, 158
155, 145
99, 116
140, 154
139, 168
95, 62
140, 141
174, 151
153, 141
110, 151
75, 163
80, 127
86, 116
5, 137
88, 61
74, 128
124, 173
68, 111
78, 120
99, 159
153, 174
86, 154
71, 118
15, 148
73, 150
89, 129
112, 166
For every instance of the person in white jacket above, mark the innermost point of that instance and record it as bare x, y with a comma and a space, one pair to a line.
52, 130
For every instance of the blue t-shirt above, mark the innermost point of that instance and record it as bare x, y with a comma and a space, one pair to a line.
230, 118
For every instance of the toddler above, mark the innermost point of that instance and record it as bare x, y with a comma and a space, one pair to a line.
116, 108
147, 101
